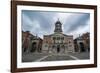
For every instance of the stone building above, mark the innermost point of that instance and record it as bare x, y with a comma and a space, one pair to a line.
58, 42
25, 41
82, 43
36, 44
31, 43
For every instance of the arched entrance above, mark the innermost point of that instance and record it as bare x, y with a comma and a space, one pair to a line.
58, 48
33, 49
25, 49
82, 49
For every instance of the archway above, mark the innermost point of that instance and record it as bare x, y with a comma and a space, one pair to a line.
58, 48
82, 49
33, 49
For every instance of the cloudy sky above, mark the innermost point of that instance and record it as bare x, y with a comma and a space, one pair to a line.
43, 23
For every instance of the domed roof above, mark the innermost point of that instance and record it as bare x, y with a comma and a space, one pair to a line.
58, 26
58, 22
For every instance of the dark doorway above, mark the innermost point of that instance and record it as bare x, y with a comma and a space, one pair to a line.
25, 49
40, 50
58, 48
82, 47
33, 49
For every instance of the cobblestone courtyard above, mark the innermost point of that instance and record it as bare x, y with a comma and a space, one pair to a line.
39, 57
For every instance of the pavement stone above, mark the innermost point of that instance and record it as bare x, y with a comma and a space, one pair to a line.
34, 57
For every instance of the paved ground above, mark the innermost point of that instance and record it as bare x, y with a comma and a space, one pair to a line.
57, 58
30, 57
82, 55
34, 57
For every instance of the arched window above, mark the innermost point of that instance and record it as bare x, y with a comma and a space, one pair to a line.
69, 41
46, 45
63, 46
53, 46
54, 38
62, 38
58, 38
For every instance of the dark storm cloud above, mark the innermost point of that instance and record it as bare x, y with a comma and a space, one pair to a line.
44, 18
76, 21
42, 22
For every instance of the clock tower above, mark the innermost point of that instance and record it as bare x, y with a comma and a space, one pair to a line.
58, 27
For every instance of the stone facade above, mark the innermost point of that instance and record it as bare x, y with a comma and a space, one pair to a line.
36, 44
82, 43
58, 42
31, 43
25, 41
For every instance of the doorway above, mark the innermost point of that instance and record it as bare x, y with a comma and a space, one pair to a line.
33, 48
82, 49
58, 48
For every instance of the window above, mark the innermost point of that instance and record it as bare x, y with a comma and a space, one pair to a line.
53, 46
62, 38
54, 38
58, 38
45, 45
69, 41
